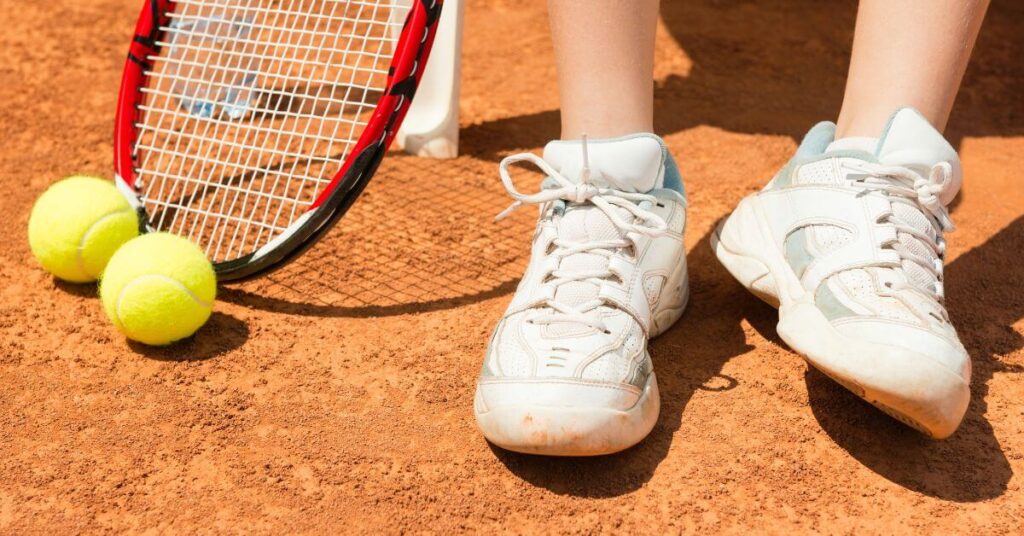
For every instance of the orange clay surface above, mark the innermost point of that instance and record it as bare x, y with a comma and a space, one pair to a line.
337, 393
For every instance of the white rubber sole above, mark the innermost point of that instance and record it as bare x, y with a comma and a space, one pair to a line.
570, 430
911, 387
584, 431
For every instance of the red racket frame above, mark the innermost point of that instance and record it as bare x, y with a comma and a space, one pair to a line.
404, 74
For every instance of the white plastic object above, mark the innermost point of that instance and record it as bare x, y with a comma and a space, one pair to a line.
431, 128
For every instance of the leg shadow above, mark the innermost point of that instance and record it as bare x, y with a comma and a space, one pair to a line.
777, 68
986, 299
687, 358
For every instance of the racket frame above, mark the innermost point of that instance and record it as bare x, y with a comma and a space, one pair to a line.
404, 73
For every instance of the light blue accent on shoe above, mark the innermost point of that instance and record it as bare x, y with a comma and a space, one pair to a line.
784, 178
673, 179
816, 140
797, 254
830, 305
811, 148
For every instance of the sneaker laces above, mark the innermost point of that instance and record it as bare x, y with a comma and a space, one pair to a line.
923, 193
609, 201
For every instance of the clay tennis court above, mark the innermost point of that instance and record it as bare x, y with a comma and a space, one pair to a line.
336, 394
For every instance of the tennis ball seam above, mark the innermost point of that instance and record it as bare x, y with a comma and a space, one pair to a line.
171, 280
79, 251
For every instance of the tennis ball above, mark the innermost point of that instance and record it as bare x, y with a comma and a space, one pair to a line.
77, 224
158, 288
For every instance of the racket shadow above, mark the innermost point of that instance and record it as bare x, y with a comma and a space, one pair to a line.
421, 238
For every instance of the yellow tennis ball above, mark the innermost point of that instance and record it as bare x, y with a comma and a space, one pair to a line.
158, 288
77, 224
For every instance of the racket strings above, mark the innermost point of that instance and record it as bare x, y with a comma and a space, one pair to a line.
250, 109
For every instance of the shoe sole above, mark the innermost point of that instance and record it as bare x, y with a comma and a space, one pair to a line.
582, 431
570, 431
909, 386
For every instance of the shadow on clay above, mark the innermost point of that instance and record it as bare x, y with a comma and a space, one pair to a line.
221, 334
259, 301
82, 290
777, 68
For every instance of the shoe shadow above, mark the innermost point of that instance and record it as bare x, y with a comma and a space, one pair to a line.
984, 302
688, 358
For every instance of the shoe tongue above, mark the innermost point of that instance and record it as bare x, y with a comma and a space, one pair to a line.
579, 224
585, 223
631, 164
913, 217
858, 144
910, 141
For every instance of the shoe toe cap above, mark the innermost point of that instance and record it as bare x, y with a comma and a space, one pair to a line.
555, 392
939, 349
565, 418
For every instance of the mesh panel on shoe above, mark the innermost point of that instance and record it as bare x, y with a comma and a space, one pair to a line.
615, 366
676, 221
819, 172
652, 288
859, 285
634, 342
610, 367
512, 358
824, 238
829, 238
914, 218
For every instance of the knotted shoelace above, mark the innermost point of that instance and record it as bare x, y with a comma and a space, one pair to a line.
924, 193
607, 200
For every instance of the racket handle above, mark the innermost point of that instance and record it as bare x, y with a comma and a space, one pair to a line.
431, 128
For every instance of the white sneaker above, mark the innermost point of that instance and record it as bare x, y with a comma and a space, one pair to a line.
848, 244
567, 372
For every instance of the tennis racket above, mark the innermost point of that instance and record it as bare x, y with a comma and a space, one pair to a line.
251, 126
